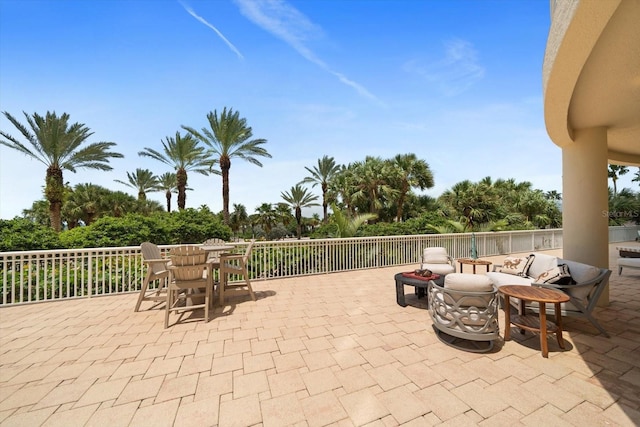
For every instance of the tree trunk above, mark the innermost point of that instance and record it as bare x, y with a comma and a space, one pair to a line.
299, 221
168, 196
225, 165
54, 190
181, 178
325, 217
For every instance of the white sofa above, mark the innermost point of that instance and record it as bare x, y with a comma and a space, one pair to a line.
584, 286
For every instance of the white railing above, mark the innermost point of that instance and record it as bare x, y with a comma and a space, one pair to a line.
34, 276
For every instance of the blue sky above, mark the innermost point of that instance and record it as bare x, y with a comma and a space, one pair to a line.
456, 82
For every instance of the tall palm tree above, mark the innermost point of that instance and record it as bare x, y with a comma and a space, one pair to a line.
615, 172
373, 184
142, 180
59, 146
322, 174
239, 217
411, 172
185, 155
229, 137
168, 183
299, 198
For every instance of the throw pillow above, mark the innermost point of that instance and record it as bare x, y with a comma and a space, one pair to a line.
559, 275
516, 266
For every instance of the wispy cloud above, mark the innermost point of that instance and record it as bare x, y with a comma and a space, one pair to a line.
204, 21
294, 28
453, 74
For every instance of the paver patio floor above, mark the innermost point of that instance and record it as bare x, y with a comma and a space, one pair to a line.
330, 349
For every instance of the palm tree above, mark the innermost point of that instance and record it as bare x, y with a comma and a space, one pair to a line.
411, 172
58, 146
168, 183
347, 225
185, 155
142, 180
299, 198
373, 184
86, 202
322, 174
636, 177
615, 172
265, 216
239, 217
229, 137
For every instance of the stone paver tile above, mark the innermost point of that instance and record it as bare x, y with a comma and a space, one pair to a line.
236, 347
546, 389
322, 409
115, 416
30, 418
456, 372
320, 380
289, 361
318, 360
290, 345
99, 370
64, 393
97, 353
209, 348
151, 351
546, 416
122, 353
173, 388
363, 406
27, 395
406, 355
378, 357
266, 346
210, 387
253, 383
267, 333
388, 376
157, 415
285, 383
226, 364
403, 404
345, 342
192, 365
72, 417
131, 369
540, 364
511, 392
281, 411
507, 418
487, 369
161, 367
354, 379
260, 362
318, 344
578, 385
515, 367
35, 373
421, 374
480, 401
348, 358
370, 341
442, 402
241, 412
586, 414
197, 414
622, 415
103, 391
182, 349
139, 390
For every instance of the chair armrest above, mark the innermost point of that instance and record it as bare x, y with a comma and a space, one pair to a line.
227, 256
157, 261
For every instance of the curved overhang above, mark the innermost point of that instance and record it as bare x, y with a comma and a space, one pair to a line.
591, 74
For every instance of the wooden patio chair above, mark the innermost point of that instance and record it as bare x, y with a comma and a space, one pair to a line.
235, 265
189, 273
157, 269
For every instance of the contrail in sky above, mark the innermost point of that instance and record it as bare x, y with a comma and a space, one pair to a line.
290, 25
204, 21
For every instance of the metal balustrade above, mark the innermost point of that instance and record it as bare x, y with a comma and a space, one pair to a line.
35, 276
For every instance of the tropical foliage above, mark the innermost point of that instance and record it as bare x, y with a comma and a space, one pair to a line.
298, 197
58, 145
228, 137
143, 180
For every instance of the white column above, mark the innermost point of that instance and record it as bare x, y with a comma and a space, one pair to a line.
585, 200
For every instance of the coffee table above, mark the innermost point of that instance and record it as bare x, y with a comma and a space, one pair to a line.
538, 324
421, 284
473, 262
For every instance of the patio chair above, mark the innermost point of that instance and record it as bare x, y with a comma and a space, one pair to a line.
157, 269
465, 311
235, 265
189, 272
438, 261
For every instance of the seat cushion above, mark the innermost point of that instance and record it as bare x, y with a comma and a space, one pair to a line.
468, 282
441, 269
517, 266
542, 263
435, 256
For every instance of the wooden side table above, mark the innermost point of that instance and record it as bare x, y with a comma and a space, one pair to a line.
473, 262
530, 322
